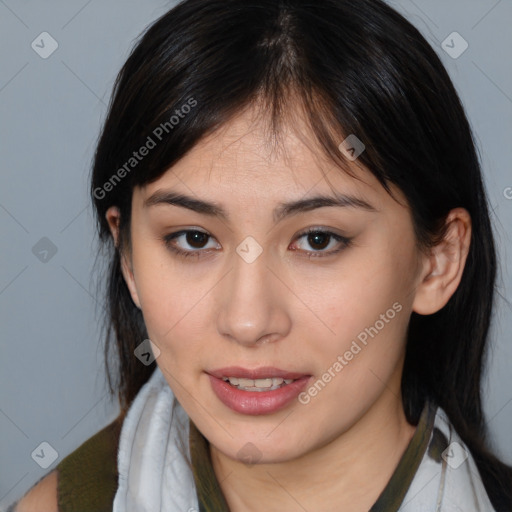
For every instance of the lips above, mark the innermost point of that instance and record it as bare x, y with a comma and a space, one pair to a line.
257, 401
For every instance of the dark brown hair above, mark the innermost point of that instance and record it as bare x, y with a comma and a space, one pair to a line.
354, 67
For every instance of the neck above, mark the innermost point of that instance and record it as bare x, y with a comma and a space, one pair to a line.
348, 473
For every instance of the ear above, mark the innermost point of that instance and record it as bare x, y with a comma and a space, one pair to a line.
113, 217
444, 265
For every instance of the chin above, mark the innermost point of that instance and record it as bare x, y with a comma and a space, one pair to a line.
262, 448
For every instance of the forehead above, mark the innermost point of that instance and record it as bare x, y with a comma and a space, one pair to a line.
244, 157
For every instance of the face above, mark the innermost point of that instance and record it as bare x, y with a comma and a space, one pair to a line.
317, 293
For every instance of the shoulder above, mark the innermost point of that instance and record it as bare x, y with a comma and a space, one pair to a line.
42, 497
84, 480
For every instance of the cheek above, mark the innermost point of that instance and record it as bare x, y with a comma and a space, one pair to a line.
362, 312
163, 294
352, 298
174, 300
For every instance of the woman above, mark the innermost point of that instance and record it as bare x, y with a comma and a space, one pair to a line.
302, 271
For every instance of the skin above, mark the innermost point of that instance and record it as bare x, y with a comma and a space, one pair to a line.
42, 497
286, 310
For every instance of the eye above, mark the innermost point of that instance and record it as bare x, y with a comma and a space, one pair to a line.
320, 239
192, 237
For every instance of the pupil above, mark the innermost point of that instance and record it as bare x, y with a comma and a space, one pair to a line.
196, 237
321, 239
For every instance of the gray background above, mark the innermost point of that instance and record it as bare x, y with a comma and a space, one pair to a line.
53, 386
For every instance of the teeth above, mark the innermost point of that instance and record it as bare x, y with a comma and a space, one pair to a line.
245, 383
262, 383
257, 384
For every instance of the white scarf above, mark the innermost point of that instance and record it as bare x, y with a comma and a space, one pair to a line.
155, 477
153, 474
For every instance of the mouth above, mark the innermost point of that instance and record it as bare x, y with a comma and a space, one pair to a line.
268, 384
258, 391
265, 378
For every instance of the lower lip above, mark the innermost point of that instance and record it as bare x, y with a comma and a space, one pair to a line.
257, 402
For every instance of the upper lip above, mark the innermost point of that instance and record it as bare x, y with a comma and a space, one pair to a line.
255, 373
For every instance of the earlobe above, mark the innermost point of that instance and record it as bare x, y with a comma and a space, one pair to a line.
443, 267
113, 218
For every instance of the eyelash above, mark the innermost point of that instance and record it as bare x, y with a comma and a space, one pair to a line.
344, 241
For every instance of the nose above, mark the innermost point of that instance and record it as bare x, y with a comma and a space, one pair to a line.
252, 304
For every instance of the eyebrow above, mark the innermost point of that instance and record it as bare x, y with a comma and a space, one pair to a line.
280, 212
